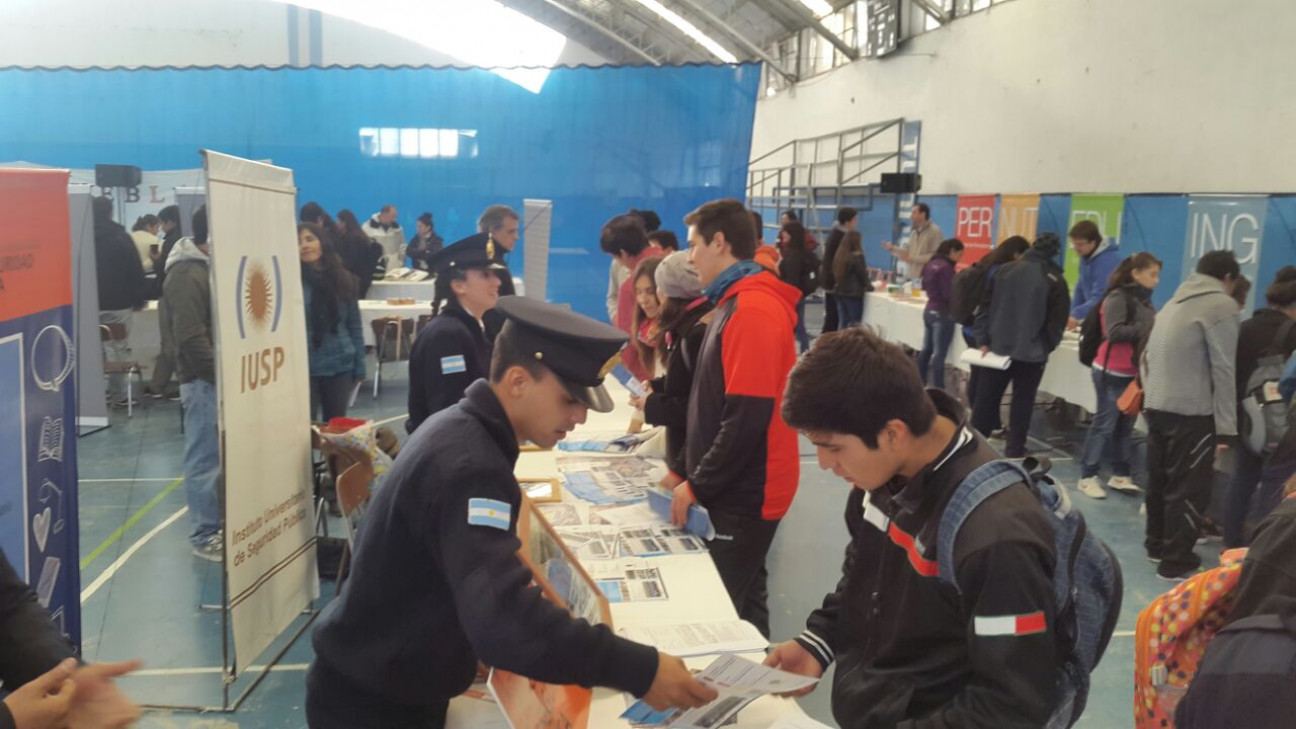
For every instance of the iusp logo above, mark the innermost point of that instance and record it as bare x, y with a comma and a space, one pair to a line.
260, 291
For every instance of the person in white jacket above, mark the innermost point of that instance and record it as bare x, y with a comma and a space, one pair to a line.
384, 229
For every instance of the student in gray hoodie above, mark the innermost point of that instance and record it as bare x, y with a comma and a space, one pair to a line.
1024, 319
187, 296
1190, 402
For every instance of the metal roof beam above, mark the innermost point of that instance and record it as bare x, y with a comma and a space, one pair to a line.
807, 17
603, 29
741, 39
664, 30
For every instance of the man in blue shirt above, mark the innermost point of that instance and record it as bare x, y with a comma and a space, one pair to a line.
1098, 258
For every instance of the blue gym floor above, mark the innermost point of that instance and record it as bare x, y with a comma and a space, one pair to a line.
148, 604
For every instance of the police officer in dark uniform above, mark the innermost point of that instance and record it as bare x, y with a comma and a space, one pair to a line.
452, 351
436, 584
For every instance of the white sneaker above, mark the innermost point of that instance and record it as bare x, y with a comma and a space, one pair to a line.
1091, 488
1143, 509
1123, 484
212, 550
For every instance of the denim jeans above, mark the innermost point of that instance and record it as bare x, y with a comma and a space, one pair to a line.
938, 333
850, 311
117, 350
201, 459
802, 336
1110, 430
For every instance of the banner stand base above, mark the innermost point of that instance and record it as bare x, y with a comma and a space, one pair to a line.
227, 680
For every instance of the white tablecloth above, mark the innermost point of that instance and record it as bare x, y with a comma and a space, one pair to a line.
696, 594
902, 321
420, 290
146, 340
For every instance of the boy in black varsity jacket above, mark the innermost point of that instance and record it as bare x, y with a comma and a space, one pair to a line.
913, 652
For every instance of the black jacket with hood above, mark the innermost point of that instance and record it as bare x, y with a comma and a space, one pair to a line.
667, 404
1029, 307
911, 651
120, 273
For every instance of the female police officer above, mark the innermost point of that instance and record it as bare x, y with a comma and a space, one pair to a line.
452, 351
436, 585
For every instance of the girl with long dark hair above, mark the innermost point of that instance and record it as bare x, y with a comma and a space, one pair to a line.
334, 333
798, 267
647, 338
1126, 317
359, 252
1008, 251
850, 271
682, 323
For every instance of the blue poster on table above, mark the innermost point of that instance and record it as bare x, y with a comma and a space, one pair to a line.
38, 479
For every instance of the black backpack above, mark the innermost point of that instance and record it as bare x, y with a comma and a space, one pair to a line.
1091, 333
967, 292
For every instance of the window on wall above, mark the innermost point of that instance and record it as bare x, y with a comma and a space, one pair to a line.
418, 143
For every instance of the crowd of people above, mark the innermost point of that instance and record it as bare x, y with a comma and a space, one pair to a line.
715, 336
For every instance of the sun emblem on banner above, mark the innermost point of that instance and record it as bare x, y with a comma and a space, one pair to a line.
258, 296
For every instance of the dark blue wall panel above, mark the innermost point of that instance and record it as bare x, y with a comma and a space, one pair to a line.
597, 141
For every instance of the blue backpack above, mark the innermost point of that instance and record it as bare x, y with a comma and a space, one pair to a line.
1087, 582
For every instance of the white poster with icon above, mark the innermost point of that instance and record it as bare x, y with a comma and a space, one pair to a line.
264, 384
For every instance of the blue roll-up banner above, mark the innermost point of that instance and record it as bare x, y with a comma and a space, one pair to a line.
1232, 223
38, 479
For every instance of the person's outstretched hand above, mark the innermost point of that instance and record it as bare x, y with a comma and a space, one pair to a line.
675, 688
791, 657
99, 704
44, 702
680, 504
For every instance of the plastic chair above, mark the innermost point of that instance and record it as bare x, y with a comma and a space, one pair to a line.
110, 333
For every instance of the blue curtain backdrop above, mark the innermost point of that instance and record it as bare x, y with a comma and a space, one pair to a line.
597, 141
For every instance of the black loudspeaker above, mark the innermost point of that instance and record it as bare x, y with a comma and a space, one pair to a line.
901, 182
117, 176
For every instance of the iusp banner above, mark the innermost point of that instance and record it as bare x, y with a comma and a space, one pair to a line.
264, 383
38, 477
1227, 223
975, 226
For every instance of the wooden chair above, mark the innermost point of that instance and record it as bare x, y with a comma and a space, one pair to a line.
393, 329
353, 496
114, 333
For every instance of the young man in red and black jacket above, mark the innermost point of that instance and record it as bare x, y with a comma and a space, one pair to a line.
742, 459
912, 651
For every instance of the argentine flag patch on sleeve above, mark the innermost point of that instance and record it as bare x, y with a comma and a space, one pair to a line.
489, 513
451, 365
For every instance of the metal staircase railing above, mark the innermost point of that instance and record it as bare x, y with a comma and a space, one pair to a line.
817, 175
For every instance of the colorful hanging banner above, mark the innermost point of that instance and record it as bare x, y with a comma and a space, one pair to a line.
975, 227
1018, 215
38, 494
1219, 223
1105, 210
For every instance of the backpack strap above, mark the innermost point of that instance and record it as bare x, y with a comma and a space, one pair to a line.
1276, 347
972, 491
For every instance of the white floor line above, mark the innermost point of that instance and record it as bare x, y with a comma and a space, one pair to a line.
111, 570
1123, 634
127, 480
283, 667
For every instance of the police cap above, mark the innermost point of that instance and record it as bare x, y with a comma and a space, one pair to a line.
471, 252
576, 348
